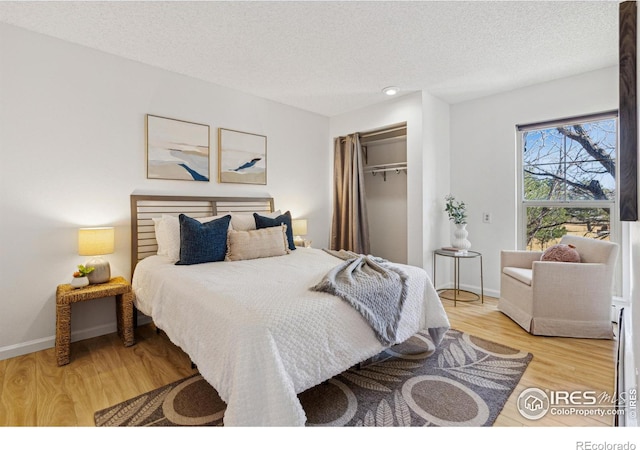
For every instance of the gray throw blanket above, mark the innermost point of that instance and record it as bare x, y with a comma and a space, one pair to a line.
371, 286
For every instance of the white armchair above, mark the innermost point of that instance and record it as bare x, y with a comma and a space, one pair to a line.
557, 298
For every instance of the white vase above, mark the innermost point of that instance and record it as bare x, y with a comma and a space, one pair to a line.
78, 282
460, 237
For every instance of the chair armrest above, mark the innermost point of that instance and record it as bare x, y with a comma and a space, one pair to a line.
570, 272
518, 258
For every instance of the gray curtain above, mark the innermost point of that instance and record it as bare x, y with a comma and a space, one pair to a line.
350, 226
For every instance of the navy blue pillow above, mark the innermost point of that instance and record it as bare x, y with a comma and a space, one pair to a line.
202, 242
266, 222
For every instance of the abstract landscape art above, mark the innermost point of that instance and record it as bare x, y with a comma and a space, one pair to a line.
242, 157
177, 150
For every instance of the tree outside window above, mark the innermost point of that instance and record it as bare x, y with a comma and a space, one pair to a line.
568, 180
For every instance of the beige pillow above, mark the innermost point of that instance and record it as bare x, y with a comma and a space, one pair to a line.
254, 244
246, 222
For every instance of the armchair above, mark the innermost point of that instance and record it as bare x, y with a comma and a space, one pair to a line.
557, 298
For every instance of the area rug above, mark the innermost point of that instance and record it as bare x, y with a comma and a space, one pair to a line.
463, 382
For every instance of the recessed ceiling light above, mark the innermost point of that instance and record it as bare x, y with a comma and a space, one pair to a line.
390, 90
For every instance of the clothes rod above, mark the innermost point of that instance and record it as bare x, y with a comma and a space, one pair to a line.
379, 167
396, 169
384, 171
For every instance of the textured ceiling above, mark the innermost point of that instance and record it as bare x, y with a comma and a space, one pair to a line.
333, 57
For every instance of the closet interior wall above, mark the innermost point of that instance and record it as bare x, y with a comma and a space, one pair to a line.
386, 192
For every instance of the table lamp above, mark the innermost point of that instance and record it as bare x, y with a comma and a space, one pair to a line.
299, 229
96, 242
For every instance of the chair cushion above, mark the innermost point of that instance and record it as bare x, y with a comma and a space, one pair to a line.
522, 275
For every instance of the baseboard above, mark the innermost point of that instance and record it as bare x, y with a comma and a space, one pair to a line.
24, 348
473, 288
36, 345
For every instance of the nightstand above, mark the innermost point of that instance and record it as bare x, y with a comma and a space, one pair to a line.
66, 295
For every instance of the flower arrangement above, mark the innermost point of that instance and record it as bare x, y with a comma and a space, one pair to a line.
82, 271
457, 210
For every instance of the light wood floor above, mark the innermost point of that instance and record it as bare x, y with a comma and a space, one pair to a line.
560, 364
35, 392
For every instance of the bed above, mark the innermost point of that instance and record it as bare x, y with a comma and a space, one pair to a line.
253, 327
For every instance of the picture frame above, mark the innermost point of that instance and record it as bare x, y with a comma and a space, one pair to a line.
242, 157
177, 149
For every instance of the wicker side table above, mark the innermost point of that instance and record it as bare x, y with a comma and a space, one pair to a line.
66, 295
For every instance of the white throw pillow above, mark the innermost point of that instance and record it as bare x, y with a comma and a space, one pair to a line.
167, 230
253, 244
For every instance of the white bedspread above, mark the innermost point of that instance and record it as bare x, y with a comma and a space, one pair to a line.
257, 333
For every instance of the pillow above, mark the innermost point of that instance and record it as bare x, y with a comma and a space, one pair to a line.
254, 244
202, 242
265, 222
246, 222
167, 229
561, 253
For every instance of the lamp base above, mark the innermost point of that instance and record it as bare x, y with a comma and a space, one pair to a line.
300, 242
101, 272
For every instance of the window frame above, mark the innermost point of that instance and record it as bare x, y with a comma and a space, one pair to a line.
523, 204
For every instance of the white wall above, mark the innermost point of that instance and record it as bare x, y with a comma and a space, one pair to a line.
484, 156
436, 169
427, 120
72, 151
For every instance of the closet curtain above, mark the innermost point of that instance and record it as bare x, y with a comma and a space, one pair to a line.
350, 226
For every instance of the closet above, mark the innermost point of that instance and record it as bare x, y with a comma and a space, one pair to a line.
385, 174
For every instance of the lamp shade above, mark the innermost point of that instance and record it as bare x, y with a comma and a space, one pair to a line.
299, 227
96, 241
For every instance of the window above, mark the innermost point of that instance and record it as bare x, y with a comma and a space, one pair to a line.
567, 180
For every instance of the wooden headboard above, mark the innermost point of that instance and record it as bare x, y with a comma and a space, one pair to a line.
145, 207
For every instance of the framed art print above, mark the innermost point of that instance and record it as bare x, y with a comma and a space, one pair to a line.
242, 157
177, 150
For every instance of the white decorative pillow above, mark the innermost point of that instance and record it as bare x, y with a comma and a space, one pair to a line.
167, 230
253, 244
246, 222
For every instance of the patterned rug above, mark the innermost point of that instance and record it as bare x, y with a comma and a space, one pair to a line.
464, 382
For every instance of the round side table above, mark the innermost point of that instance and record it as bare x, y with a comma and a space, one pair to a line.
456, 297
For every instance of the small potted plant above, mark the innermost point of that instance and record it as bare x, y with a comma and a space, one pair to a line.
80, 276
458, 215
457, 210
